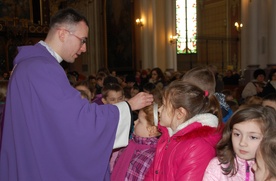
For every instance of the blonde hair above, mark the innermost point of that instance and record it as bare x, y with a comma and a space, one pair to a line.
150, 111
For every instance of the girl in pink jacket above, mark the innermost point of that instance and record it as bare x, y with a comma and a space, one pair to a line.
240, 140
190, 123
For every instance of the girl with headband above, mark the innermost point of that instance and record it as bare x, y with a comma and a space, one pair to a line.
134, 161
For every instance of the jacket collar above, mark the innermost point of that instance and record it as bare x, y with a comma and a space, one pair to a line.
206, 119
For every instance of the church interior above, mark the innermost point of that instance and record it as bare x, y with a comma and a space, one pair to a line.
235, 35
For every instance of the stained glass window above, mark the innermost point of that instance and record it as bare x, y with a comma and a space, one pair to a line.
186, 26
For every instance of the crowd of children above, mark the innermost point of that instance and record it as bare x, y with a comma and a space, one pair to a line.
191, 131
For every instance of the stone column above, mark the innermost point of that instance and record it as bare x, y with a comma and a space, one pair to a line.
263, 33
250, 38
170, 15
253, 24
146, 34
271, 33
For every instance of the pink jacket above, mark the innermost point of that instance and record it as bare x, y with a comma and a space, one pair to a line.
214, 172
186, 154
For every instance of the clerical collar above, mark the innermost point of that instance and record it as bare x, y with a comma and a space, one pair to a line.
51, 51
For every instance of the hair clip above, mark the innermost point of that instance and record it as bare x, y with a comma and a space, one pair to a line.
206, 93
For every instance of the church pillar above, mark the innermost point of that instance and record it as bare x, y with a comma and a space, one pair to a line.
271, 32
249, 38
244, 34
253, 20
146, 34
263, 33
170, 21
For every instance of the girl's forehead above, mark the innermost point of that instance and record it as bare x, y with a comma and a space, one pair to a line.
249, 125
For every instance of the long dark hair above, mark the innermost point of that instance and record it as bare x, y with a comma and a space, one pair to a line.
265, 116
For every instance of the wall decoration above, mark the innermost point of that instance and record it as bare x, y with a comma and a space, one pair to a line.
21, 9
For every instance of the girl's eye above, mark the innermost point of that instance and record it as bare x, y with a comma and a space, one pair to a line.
254, 137
236, 134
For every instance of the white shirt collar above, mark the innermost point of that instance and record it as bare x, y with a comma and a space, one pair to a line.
51, 51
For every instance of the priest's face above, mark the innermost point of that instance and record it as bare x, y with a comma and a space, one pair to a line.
74, 42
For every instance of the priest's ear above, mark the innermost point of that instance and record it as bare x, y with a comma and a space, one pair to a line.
61, 34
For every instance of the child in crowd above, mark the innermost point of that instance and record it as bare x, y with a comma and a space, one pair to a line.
237, 148
112, 93
270, 100
204, 78
230, 100
84, 95
190, 123
134, 161
134, 90
252, 100
100, 82
228, 95
148, 87
86, 90
264, 168
107, 80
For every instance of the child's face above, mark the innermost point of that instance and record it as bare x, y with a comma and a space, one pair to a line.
246, 137
100, 82
260, 171
113, 97
141, 126
229, 98
167, 118
269, 103
165, 115
86, 90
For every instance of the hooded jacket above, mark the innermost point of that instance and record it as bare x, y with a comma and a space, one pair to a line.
185, 153
214, 172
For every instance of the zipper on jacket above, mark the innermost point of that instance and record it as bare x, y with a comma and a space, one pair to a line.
167, 144
247, 172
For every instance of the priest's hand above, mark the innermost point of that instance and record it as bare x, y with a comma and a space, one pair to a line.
140, 100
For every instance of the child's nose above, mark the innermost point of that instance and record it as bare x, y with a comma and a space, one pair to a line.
243, 141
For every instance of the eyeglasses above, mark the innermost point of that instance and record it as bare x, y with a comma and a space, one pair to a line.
82, 40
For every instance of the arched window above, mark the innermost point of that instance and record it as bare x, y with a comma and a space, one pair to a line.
186, 26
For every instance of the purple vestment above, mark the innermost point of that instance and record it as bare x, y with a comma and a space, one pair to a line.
50, 132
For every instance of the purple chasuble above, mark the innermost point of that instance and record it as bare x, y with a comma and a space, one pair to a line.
50, 133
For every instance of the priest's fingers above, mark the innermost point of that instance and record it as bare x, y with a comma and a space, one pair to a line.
141, 100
